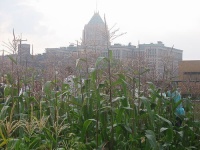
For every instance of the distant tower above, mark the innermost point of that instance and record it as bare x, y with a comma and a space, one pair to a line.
24, 50
95, 34
24, 53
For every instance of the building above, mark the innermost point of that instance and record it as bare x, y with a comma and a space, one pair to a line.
63, 50
161, 59
120, 52
189, 78
24, 49
95, 34
24, 53
56, 51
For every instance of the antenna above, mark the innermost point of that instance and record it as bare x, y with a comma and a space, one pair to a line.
96, 6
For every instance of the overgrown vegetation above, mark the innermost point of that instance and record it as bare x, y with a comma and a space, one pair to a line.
111, 109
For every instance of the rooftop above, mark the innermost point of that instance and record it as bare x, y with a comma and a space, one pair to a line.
96, 19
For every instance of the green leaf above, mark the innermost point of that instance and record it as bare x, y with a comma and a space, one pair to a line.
116, 99
146, 103
99, 59
165, 120
152, 139
125, 127
78, 61
151, 85
169, 136
127, 108
49, 135
10, 78
105, 108
180, 133
85, 127
35, 143
13, 143
163, 129
48, 87
3, 112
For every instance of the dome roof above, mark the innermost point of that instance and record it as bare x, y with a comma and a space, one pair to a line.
96, 19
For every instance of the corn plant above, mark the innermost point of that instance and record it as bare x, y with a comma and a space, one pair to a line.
109, 109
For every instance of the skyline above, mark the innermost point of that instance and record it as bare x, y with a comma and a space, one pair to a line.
47, 24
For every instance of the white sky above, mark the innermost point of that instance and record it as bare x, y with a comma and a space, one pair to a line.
56, 23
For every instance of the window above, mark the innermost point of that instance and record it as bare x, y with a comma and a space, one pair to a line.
192, 75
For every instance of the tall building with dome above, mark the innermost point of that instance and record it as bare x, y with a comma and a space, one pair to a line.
95, 34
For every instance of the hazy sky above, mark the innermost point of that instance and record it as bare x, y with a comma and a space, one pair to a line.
56, 23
